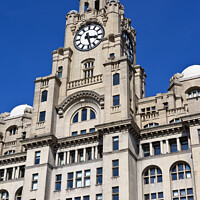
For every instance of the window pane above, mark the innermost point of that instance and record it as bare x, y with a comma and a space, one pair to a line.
175, 193
84, 115
87, 181
75, 120
153, 179
115, 172
74, 133
189, 191
174, 177
180, 167
153, 196
42, 116
182, 192
188, 175
92, 114
160, 195
44, 96
83, 131
116, 100
153, 171
78, 174
115, 143
159, 179
99, 197
116, 79
78, 183
58, 186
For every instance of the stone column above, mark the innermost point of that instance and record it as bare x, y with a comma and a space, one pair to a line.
96, 152
76, 156
17, 173
56, 162
161, 147
5, 174
13, 173
167, 146
140, 151
84, 154
68, 156
151, 149
178, 144
65, 157
92, 153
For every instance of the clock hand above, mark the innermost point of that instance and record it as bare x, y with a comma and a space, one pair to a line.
94, 36
88, 38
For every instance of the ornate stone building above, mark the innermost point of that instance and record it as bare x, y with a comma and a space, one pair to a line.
92, 134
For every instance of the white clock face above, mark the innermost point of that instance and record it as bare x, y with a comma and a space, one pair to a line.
129, 50
88, 37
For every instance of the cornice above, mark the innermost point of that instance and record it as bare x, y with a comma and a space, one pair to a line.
40, 79
78, 140
14, 158
39, 141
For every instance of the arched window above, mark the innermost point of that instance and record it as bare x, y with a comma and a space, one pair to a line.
152, 175
116, 79
75, 119
181, 171
12, 130
92, 114
88, 69
4, 195
10, 152
60, 70
44, 96
86, 114
151, 125
174, 121
192, 93
18, 195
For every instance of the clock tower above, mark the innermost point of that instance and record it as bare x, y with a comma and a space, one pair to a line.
90, 100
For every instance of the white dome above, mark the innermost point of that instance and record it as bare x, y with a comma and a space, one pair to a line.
191, 71
20, 110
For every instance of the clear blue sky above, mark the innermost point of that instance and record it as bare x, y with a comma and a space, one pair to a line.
168, 40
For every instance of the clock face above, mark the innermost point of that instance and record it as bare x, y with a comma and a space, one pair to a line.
88, 37
129, 50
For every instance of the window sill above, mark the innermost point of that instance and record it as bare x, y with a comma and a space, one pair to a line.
68, 189
57, 191
115, 177
33, 190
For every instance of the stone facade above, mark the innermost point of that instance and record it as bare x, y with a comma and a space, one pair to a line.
92, 133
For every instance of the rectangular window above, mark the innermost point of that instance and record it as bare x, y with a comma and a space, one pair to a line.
80, 155
1, 175
86, 198
92, 130
61, 158
115, 143
34, 181
9, 173
99, 176
156, 147
116, 100
78, 179
83, 131
42, 116
199, 134
72, 156
58, 182
115, 168
146, 197
69, 199
37, 157
70, 177
115, 193
173, 145
84, 115
100, 151
99, 197
146, 150
184, 143
77, 198
60, 69
87, 178
89, 153
21, 171
74, 133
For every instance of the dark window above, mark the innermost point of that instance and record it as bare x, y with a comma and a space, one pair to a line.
100, 151
77, 198
115, 143
21, 172
92, 130
146, 150
92, 114
86, 198
1, 175
173, 145
156, 147
58, 182
70, 180
184, 143
44, 96
115, 193
116, 79
153, 196
116, 100
83, 131
86, 6
112, 55
160, 195
84, 115
74, 133
42, 116
9, 174
146, 197
89, 153
97, 4
99, 197
72, 156
99, 176
115, 168
60, 69
23, 135
75, 120
37, 157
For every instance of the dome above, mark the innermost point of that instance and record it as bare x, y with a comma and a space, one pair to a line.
20, 110
73, 12
191, 71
